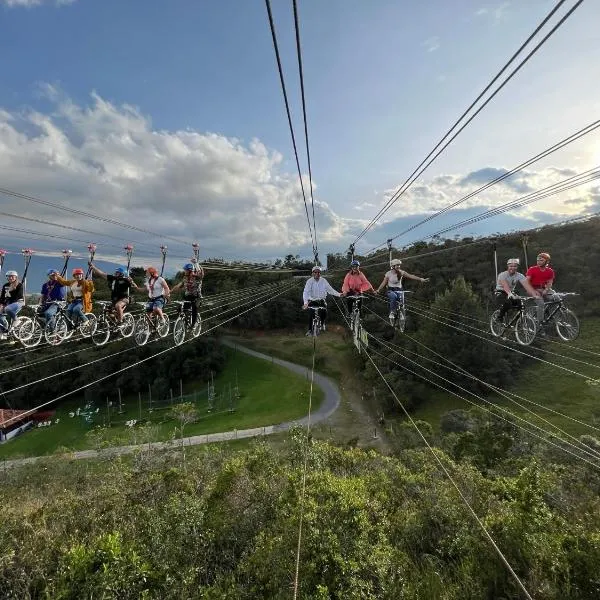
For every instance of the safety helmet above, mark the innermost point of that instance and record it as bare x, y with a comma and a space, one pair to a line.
396, 262
512, 261
354, 263
14, 273
544, 255
51, 272
188, 267
316, 268
152, 271
121, 271
78, 271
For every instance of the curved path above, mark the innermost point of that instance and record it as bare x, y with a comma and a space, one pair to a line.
331, 401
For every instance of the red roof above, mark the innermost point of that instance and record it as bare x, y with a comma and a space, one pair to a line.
13, 416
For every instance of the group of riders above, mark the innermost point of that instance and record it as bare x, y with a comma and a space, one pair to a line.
537, 282
79, 292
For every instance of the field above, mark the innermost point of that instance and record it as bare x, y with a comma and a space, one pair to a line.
269, 394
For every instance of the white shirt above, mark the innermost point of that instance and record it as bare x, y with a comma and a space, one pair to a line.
317, 289
76, 290
394, 281
156, 287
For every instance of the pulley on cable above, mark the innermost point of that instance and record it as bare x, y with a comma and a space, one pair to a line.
27, 254
525, 241
389, 245
92, 250
163, 250
2, 255
196, 259
66, 255
129, 251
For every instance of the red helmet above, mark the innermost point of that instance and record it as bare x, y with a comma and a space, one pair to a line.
78, 271
152, 271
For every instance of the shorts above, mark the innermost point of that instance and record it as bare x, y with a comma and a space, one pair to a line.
153, 303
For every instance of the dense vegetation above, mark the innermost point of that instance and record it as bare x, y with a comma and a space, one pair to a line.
224, 524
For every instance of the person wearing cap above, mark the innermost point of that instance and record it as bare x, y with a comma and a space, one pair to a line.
191, 284
120, 285
505, 287
315, 294
80, 295
52, 292
355, 283
11, 301
393, 280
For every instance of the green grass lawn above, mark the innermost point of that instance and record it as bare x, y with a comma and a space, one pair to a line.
546, 385
269, 394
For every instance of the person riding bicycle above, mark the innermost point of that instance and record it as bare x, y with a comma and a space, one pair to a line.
315, 294
541, 278
505, 286
120, 285
158, 292
52, 292
80, 295
11, 302
355, 283
393, 280
192, 287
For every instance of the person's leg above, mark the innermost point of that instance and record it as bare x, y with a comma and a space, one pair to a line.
393, 299
540, 309
78, 313
50, 316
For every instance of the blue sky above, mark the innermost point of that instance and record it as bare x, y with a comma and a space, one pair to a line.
88, 86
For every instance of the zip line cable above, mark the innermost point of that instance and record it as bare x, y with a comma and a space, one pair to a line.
310, 179
289, 118
140, 361
428, 161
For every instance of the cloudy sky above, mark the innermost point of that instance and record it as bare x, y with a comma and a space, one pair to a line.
168, 117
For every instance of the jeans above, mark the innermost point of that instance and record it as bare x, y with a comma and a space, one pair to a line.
11, 311
49, 315
395, 297
158, 302
322, 312
75, 311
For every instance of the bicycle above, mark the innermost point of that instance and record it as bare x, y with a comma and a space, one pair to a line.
183, 323
34, 329
565, 321
355, 316
317, 325
107, 322
18, 329
398, 318
146, 324
524, 325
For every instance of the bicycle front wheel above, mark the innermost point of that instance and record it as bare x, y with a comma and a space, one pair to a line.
400, 321
142, 331
567, 324
179, 331
162, 326
101, 333
197, 328
316, 327
497, 326
57, 334
88, 327
525, 329
127, 326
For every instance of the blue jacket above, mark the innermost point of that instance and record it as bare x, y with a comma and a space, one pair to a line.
52, 290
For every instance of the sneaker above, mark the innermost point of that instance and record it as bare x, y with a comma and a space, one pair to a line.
323, 327
392, 316
308, 333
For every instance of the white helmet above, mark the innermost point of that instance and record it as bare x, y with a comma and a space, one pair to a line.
396, 262
513, 261
9, 273
316, 268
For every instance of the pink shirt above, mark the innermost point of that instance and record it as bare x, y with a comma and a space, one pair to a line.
355, 283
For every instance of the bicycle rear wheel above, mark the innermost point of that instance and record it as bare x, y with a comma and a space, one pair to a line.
497, 326
56, 335
162, 326
197, 328
316, 326
142, 331
400, 321
525, 329
567, 324
88, 327
127, 326
101, 332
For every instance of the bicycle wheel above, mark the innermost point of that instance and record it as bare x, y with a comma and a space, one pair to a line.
56, 335
17, 326
142, 331
567, 324
127, 326
87, 328
101, 332
497, 326
30, 333
400, 321
316, 326
197, 328
179, 331
525, 329
162, 328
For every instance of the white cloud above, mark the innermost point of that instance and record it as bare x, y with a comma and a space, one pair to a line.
109, 160
431, 44
497, 12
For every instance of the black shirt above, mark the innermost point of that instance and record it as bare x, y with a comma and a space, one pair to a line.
8, 297
119, 287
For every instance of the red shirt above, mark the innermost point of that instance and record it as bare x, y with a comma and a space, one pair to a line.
539, 277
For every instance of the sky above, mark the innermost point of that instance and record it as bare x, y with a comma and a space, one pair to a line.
168, 117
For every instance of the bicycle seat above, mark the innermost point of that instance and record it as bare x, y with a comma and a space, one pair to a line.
179, 301
103, 302
61, 303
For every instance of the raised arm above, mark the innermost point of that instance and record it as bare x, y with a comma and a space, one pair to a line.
96, 270
415, 277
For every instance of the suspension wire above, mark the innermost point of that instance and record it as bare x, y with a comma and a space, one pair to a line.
451, 479
89, 215
424, 164
544, 439
289, 118
301, 74
593, 126
579, 446
142, 360
547, 192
